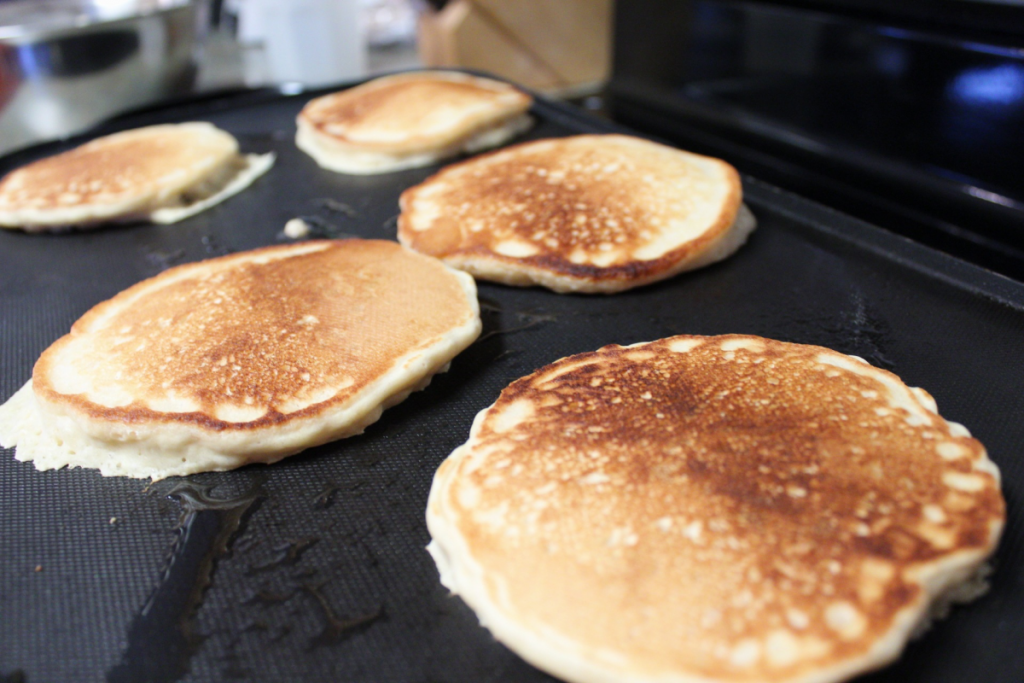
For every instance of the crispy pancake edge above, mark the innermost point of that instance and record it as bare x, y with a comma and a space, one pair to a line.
332, 156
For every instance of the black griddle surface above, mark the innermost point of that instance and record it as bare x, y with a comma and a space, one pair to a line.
314, 569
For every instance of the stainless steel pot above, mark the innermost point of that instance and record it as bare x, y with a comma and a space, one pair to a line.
68, 64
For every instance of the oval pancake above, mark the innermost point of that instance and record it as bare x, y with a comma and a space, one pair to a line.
410, 120
245, 358
162, 173
588, 213
711, 509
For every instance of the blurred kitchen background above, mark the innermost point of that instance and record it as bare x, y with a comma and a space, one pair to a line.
67, 64
907, 114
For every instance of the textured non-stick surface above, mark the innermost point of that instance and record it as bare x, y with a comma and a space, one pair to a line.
313, 569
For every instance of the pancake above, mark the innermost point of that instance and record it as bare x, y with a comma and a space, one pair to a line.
245, 358
161, 174
410, 120
712, 509
589, 213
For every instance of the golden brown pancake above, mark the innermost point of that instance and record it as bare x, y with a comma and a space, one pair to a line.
245, 358
159, 173
590, 213
409, 120
711, 509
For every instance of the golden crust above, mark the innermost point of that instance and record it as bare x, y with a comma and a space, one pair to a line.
276, 342
591, 213
411, 113
121, 175
711, 508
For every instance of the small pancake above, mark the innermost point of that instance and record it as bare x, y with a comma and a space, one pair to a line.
711, 509
246, 358
159, 173
410, 120
589, 213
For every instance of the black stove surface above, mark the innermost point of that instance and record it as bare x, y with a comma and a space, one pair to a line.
314, 568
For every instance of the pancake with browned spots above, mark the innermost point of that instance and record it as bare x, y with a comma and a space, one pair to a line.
712, 509
410, 120
590, 213
246, 358
160, 174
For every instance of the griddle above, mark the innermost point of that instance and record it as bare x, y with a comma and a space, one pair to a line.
314, 569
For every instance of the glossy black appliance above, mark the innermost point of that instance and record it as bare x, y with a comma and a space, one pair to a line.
910, 115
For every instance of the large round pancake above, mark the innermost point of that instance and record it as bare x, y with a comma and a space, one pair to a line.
124, 175
409, 120
245, 358
711, 509
589, 213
